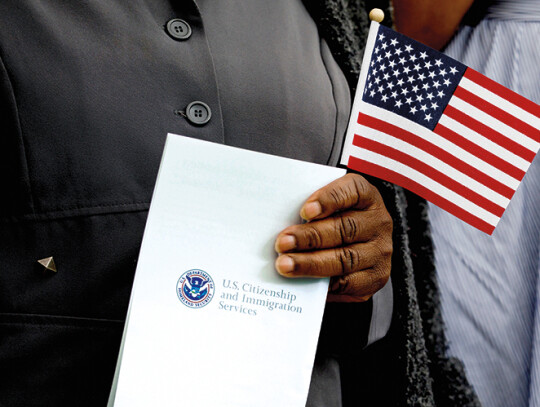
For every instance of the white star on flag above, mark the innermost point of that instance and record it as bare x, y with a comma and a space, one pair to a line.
465, 151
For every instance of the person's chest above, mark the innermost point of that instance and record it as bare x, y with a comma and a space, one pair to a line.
96, 86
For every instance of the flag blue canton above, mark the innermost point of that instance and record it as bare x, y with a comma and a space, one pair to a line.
410, 79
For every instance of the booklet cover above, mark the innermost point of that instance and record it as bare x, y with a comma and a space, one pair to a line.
210, 322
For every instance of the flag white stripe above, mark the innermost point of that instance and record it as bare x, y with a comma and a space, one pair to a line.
500, 102
427, 182
485, 143
435, 139
436, 163
494, 123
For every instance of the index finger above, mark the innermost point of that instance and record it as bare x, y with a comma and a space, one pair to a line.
351, 191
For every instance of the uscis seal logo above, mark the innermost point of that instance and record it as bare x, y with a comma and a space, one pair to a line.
195, 288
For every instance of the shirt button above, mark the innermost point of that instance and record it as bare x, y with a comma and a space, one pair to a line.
179, 29
198, 113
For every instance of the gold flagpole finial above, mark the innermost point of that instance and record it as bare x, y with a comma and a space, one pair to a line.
377, 15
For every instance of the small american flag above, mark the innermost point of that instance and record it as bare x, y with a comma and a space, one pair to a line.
428, 123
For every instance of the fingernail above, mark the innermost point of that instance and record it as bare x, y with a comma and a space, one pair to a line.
284, 264
285, 243
311, 210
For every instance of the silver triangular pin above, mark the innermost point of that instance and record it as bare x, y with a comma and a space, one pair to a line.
48, 264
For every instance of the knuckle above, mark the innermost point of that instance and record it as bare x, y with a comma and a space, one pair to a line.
385, 227
376, 194
350, 286
341, 285
345, 193
383, 267
349, 258
335, 195
387, 221
385, 248
380, 277
362, 186
389, 250
313, 238
347, 229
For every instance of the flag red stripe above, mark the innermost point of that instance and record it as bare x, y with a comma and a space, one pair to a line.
489, 133
479, 152
443, 155
503, 92
392, 176
498, 113
430, 172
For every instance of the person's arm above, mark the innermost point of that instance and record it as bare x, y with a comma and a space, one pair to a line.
431, 22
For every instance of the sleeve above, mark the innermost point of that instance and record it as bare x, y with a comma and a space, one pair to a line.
347, 328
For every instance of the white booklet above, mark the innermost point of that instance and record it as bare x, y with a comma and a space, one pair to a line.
210, 322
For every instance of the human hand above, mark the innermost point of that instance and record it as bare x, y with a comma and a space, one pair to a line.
348, 237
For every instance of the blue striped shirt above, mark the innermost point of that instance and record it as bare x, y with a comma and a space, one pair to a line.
489, 284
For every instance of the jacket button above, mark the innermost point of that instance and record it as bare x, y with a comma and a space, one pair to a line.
179, 29
198, 113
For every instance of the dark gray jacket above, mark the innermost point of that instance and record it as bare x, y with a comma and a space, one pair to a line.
64, 196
